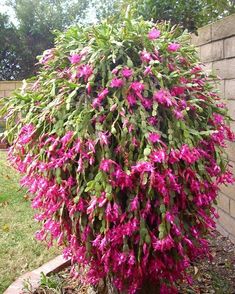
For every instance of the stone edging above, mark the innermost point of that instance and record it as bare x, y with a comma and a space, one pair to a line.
53, 266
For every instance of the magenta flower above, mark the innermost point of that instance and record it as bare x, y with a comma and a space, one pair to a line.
154, 137
103, 94
176, 90
47, 56
75, 58
84, 71
178, 114
142, 167
173, 47
115, 71
152, 120
163, 97
131, 99
189, 155
137, 86
96, 103
66, 138
147, 70
158, 156
106, 164
145, 56
127, 72
116, 83
88, 88
147, 103
154, 34
134, 203
164, 244
103, 138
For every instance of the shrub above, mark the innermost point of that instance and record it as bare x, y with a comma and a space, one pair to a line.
121, 141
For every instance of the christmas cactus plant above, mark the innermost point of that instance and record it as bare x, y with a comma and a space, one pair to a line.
120, 141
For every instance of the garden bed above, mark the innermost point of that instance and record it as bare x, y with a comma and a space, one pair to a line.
216, 276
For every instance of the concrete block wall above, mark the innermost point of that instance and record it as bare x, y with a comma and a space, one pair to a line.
216, 48
6, 88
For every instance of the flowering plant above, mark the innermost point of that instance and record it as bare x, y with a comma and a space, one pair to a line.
120, 140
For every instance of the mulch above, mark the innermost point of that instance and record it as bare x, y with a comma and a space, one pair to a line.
216, 276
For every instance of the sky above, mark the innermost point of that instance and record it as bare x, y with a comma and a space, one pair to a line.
7, 10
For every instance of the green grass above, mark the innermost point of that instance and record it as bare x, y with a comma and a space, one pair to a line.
19, 251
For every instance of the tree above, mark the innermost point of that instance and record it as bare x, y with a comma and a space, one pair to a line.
120, 143
190, 14
10, 52
37, 20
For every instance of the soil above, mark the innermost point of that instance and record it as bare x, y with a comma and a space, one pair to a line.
216, 276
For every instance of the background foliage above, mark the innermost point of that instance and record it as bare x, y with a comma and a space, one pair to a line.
36, 21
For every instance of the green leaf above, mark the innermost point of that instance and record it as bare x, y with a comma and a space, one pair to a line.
147, 151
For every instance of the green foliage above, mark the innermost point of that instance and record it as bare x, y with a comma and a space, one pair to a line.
190, 14
37, 20
10, 55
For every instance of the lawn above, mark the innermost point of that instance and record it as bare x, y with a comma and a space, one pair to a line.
19, 251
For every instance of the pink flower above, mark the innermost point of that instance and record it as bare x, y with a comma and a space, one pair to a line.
75, 58
26, 134
152, 120
158, 156
96, 103
178, 114
171, 66
47, 56
142, 167
103, 94
115, 71
131, 99
218, 119
145, 56
112, 212
137, 86
134, 204
113, 107
176, 90
154, 137
163, 97
66, 138
173, 47
164, 244
88, 88
189, 155
116, 83
147, 70
154, 34
106, 164
127, 72
147, 103
84, 71
103, 138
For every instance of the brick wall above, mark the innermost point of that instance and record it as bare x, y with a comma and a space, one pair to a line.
6, 88
216, 48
